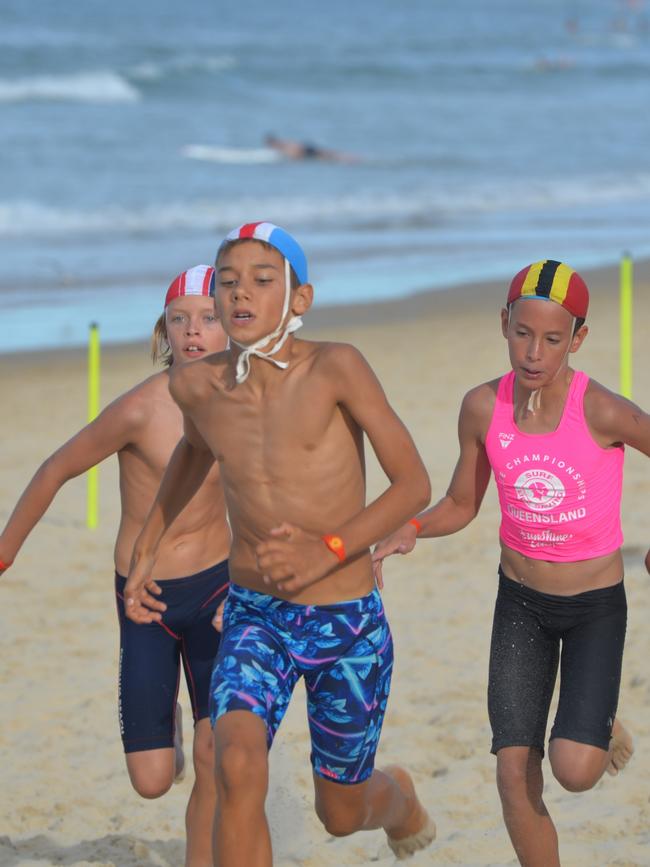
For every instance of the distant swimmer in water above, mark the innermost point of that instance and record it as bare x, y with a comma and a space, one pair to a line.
297, 150
551, 64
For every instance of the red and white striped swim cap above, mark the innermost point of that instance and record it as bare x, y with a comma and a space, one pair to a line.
198, 280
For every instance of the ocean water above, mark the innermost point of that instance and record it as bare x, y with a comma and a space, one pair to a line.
488, 133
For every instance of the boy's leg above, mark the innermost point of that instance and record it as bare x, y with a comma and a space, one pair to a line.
621, 748
585, 736
199, 817
199, 647
151, 772
387, 799
520, 784
148, 683
578, 767
252, 683
346, 705
523, 667
241, 832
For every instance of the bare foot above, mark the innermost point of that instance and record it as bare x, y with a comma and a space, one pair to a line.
178, 746
621, 748
418, 830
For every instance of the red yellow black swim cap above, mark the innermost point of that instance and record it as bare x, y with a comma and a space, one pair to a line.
554, 281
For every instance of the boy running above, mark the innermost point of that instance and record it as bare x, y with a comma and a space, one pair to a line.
285, 419
143, 427
554, 440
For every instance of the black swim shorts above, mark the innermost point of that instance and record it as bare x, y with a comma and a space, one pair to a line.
535, 632
151, 655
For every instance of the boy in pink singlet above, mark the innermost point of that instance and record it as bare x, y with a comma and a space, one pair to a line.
554, 440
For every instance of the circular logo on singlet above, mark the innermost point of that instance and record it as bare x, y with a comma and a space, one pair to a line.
540, 490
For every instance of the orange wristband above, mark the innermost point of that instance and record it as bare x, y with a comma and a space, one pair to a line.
416, 524
4, 565
336, 546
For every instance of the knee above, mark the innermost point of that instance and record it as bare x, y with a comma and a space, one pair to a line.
519, 780
240, 768
203, 753
576, 767
512, 781
574, 778
151, 772
151, 786
338, 821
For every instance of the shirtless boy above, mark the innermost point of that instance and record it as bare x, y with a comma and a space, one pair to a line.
554, 440
143, 427
285, 420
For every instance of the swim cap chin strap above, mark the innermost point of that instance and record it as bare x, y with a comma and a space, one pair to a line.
244, 360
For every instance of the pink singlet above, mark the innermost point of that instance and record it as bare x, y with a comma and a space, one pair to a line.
560, 492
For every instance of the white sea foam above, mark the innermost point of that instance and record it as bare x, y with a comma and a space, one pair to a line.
98, 86
371, 210
541, 194
211, 154
155, 70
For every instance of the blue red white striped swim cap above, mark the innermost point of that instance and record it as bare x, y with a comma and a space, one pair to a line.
198, 280
283, 242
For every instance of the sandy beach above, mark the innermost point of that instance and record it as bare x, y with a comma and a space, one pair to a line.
65, 796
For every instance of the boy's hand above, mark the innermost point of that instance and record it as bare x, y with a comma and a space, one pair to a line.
293, 559
402, 541
139, 605
647, 561
217, 620
5, 563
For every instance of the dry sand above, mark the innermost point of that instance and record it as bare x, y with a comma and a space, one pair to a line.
65, 797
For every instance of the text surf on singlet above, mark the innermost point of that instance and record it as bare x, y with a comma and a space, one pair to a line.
558, 463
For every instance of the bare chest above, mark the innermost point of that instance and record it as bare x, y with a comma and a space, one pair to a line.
274, 434
153, 447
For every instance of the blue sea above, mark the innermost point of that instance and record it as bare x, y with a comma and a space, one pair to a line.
487, 134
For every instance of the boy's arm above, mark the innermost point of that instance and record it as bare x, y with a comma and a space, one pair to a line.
617, 420
466, 490
185, 473
111, 431
297, 559
614, 419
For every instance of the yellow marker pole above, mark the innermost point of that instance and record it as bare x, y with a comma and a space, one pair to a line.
626, 325
92, 509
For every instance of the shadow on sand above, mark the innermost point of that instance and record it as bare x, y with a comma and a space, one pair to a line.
113, 849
